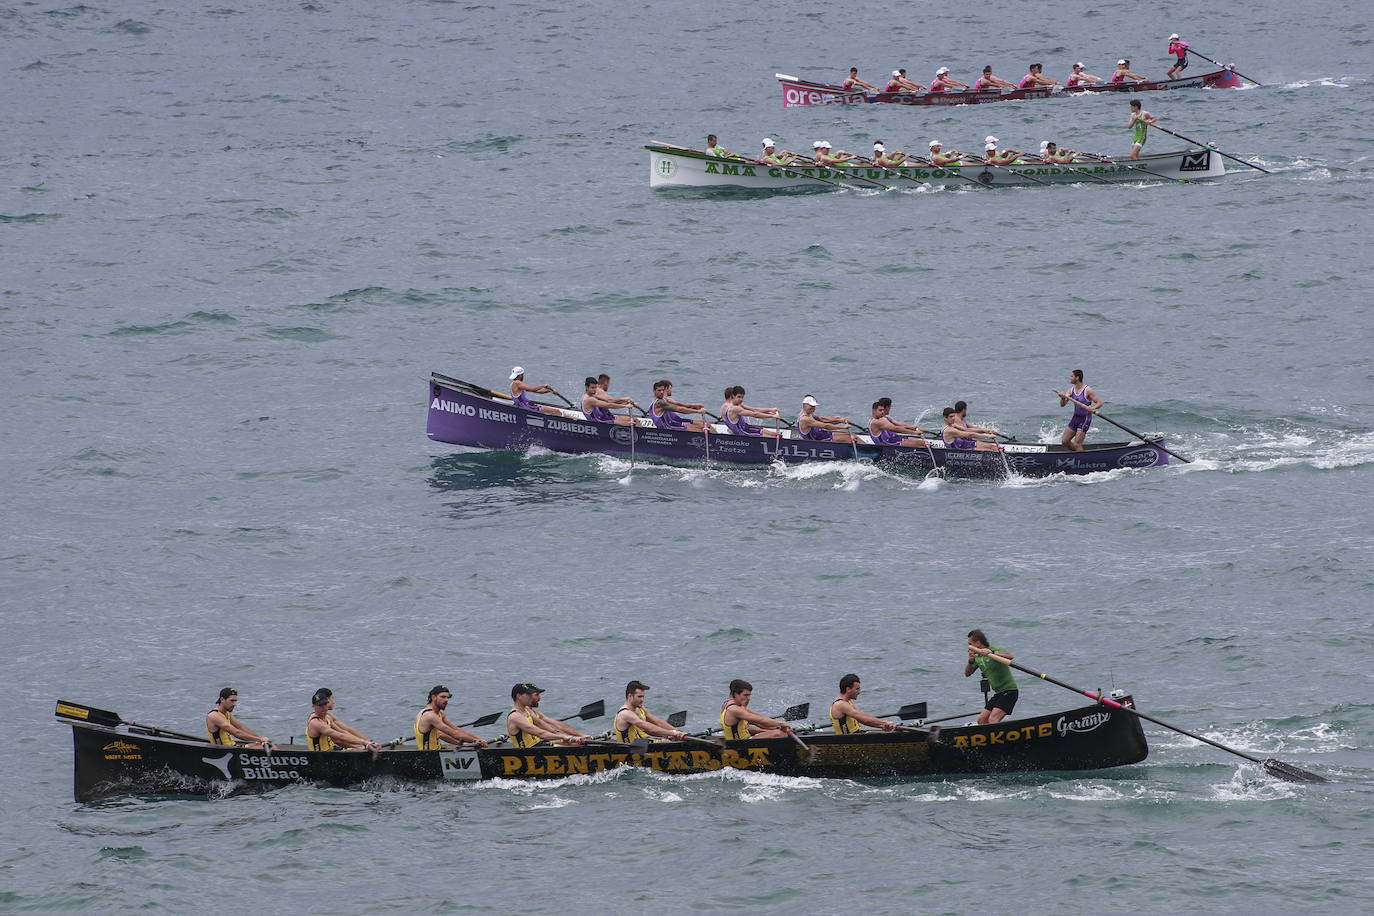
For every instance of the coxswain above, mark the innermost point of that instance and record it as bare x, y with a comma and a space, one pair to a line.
982, 657
742, 723
939, 158
988, 81
887, 431
662, 409
823, 155
773, 157
992, 157
1140, 123
432, 726
1079, 77
961, 437
223, 728
1036, 77
883, 159
715, 149
734, 410
943, 82
899, 82
853, 80
817, 428
1085, 404
846, 717
633, 721
597, 405
528, 727
323, 732
1123, 72
518, 389
1179, 48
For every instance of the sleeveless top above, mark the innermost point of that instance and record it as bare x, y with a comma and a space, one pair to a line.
634, 732
1118, 77
886, 437
958, 441
521, 738
220, 735
323, 742
1072, 80
523, 400
982, 83
1080, 401
892, 86
427, 741
740, 427
668, 420
737, 732
1026, 82
936, 85
815, 433
846, 726
597, 414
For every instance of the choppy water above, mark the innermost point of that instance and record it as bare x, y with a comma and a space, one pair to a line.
237, 239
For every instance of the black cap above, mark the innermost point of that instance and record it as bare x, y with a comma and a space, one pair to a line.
524, 688
228, 692
438, 689
321, 696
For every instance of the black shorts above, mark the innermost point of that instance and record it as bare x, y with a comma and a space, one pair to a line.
1005, 701
1181, 64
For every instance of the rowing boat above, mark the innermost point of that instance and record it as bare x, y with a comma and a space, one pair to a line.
679, 167
797, 93
461, 413
132, 759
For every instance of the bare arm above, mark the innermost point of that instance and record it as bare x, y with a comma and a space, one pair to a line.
842, 708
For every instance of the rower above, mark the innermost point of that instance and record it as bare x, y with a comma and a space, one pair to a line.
597, 405
887, 431
432, 725
961, 415
899, 82
1179, 48
633, 721
518, 390
823, 155
1123, 72
853, 80
817, 428
323, 732
742, 723
1004, 693
1085, 404
1080, 76
223, 728
1036, 77
993, 157
715, 149
661, 409
988, 81
939, 158
773, 157
846, 717
734, 410
956, 436
1050, 152
884, 159
943, 82
1139, 124
528, 727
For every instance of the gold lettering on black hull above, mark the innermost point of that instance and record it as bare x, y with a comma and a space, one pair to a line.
1005, 735
663, 761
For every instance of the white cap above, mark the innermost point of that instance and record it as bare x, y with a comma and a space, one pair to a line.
821, 144
517, 372
991, 147
934, 143
767, 142
991, 139
809, 401
1078, 66
879, 148
1044, 145
1173, 37
1121, 63
942, 71
899, 73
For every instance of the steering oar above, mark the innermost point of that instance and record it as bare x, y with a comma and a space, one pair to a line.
1148, 441
1171, 133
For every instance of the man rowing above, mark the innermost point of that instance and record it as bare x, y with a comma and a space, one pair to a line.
223, 728
1179, 48
1080, 77
887, 431
1035, 76
963, 437
1140, 123
991, 155
597, 404
845, 715
853, 80
519, 392
982, 657
988, 81
741, 723
823, 155
1123, 72
715, 149
899, 82
1085, 404
433, 728
1050, 152
884, 159
961, 414
662, 410
528, 727
817, 428
323, 732
773, 157
941, 158
943, 82
633, 721
734, 411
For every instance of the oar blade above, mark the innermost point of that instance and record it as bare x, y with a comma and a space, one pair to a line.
678, 719
486, 720
82, 713
592, 710
1290, 773
793, 713
912, 711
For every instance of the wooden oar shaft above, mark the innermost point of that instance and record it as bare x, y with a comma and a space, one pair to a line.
1142, 438
1212, 148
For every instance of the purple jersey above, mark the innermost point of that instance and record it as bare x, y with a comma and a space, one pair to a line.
962, 442
668, 420
597, 414
886, 437
522, 400
1082, 418
815, 433
740, 427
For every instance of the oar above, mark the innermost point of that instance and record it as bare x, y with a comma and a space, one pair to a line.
480, 722
1006, 169
590, 711
561, 398
1075, 171
950, 170
951, 718
891, 168
876, 184
1137, 168
1271, 766
1142, 438
1213, 148
907, 712
678, 719
1223, 66
81, 713
790, 714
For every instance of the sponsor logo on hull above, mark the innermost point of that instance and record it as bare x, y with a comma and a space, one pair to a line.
665, 761
1139, 458
459, 765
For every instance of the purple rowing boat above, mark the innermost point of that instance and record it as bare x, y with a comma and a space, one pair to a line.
461, 413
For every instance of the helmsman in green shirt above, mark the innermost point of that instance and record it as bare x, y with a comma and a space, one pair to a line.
1004, 693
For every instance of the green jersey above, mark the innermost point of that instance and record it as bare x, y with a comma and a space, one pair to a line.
998, 675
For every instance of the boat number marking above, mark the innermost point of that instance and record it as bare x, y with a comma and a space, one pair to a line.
460, 765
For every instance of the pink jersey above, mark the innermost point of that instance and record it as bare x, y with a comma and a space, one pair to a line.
1118, 77
982, 83
1179, 48
1026, 82
1072, 80
892, 86
937, 86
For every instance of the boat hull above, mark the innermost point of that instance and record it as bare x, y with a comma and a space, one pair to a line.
457, 416
110, 762
798, 93
671, 167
